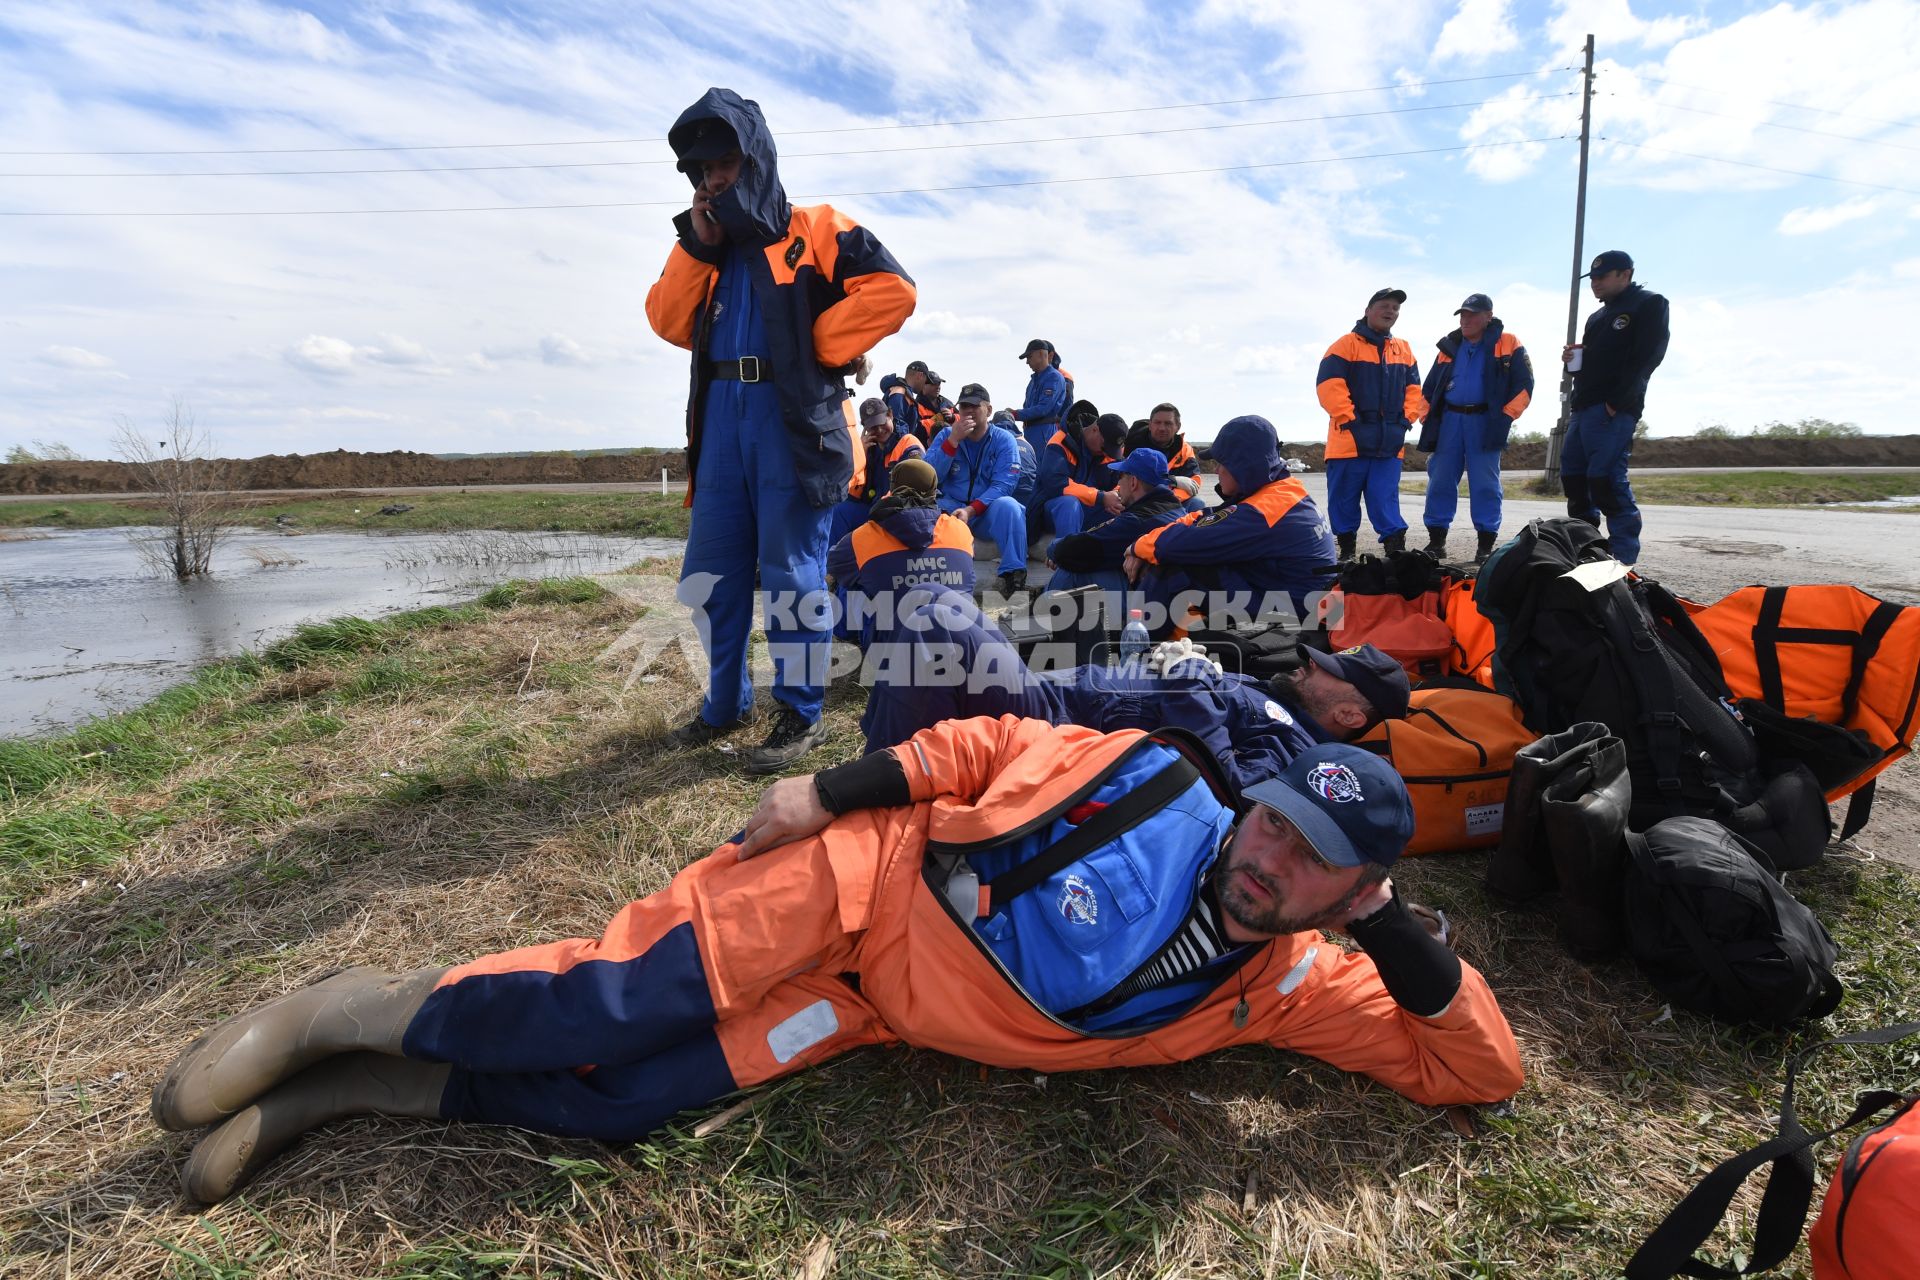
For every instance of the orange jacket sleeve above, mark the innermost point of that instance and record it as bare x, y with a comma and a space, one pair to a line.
962, 758
674, 302
877, 295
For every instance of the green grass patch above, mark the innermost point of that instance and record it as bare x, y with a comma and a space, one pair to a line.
649, 515
46, 842
1739, 488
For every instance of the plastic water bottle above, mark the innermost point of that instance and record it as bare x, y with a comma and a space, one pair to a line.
1134, 641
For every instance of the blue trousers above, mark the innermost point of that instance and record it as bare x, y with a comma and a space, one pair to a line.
1593, 471
1105, 579
943, 660
748, 514
1005, 521
1066, 516
1462, 447
844, 517
1379, 480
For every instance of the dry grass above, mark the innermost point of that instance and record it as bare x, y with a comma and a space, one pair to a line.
482, 781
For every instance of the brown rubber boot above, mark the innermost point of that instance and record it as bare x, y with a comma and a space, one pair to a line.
349, 1084
249, 1053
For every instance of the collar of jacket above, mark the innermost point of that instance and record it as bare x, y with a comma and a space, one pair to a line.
1365, 330
1451, 343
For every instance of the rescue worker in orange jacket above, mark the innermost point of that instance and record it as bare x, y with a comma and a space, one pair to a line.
1480, 384
777, 304
907, 541
1020, 894
1161, 431
1370, 387
885, 445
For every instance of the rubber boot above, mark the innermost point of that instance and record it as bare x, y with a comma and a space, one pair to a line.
249, 1053
1584, 815
1520, 867
1394, 542
1345, 542
1437, 541
348, 1084
1487, 539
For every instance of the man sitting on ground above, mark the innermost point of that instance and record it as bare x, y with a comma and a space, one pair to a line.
979, 468
906, 542
1018, 894
1077, 477
886, 446
1269, 539
1162, 431
1094, 558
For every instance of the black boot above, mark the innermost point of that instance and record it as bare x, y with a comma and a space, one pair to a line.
1345, 542
1393, 542
1520, 867
1485, 548
792, 737
1437, 541
1584, 815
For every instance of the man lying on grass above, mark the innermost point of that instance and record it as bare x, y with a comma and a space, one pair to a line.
1017, 893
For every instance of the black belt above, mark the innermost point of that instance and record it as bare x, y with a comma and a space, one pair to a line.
1467, 408
745, 369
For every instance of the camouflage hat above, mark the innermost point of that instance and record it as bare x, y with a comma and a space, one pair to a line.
916, 474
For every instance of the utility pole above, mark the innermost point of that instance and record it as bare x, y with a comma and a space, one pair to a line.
1559, 436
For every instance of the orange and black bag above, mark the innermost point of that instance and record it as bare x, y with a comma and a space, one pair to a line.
1393, 604
1866, 1226
1455, 751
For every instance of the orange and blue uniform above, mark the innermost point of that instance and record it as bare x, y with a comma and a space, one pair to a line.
1475, 392
901, 547
1370, 387
871, 481
1072, 478
738, 973
774, 317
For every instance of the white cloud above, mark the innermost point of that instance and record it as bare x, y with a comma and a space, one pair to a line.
559, 349
319, 354
74, 358
1613, 23
946, 324
1480, 28
1815, 218
393, 349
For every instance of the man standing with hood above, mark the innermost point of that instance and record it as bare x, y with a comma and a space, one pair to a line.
1479, 386
1370, 388
777, 305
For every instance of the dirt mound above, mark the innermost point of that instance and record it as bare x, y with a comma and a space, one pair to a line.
343, 470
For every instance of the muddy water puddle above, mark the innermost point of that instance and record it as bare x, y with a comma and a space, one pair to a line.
87, 629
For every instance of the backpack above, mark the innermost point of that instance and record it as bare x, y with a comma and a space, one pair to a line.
1579, 638
1454, 750
1865, 1230
1714, 931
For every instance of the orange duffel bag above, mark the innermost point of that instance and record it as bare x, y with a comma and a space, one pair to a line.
1473, 639
1454, 750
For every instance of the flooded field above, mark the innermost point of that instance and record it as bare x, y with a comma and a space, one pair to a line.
86, 628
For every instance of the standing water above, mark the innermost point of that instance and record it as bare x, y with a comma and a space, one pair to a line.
86, 628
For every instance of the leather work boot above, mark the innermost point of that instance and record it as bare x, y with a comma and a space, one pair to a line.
1013, 583
1488, 538
1520, 867
1584, 815
251, 1052
1346, 541
792, 737
348, 1084
1394, 542
1437, 541
698, 733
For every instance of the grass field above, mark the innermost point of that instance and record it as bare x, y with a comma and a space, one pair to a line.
642, 514
1739, 489
434, 785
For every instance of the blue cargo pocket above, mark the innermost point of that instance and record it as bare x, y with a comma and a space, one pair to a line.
1099, 895
1367, 438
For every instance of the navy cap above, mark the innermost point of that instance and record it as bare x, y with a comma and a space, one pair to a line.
1146, 465
918, 366
1611, 260
972, 393
931, 376
1381, 680
1398, 295
1349, 804
1475, 302
874, 411
1037, 344
703, 140
1082, 412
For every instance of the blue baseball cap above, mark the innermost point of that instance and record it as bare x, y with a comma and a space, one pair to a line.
1611, 260
1349, 804
1380, 678
1146, 465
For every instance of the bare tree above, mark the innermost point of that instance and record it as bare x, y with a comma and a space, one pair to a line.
190, 485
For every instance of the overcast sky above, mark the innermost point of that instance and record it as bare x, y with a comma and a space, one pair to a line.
523, 329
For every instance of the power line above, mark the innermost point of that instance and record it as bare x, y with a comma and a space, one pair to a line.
809, 155
1748, 164
827, 195
1792, 106
1772, 124
799, 133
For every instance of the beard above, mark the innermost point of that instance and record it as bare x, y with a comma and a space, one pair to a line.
1287, 692
1273, 917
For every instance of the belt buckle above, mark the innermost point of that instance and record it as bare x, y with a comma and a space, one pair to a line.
749, 368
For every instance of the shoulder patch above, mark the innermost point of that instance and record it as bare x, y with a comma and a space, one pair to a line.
794, 250
1215, 516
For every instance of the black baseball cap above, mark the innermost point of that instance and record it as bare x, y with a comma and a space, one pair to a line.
1381, 680
874, 411
1475, 302
918, 366
1398, 295
1349, 804
1037, 344
973, 393
931, 376
702, 140
1081, 412
1611, 260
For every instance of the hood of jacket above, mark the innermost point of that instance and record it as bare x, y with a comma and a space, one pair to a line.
913, 525
754, 210
1450, 345
1249, 447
